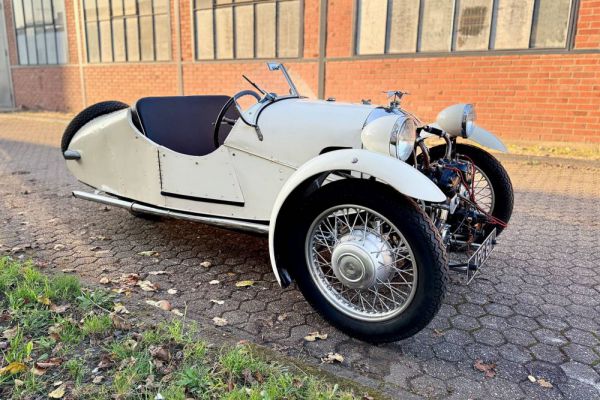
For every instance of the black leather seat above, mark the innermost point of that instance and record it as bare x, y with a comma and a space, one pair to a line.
184, 123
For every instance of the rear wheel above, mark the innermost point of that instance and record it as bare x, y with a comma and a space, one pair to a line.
368, 260
85, 116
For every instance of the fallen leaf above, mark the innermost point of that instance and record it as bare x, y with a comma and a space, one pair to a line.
158, 273
59, 309
531, 378
219, 302
149, 253
10, 333
172, 291
67, 270
282, 317
104, 280
205, 264
214, 282
219, 321
120, 322
244, 283
105, 362
177, 312
13, 368
97, 380
164, 305
331, 358
153, 303
544, 383
58, 393
147, 286
44, 300
159, 352
488, 369
59, 246
311, 337
18, 382
120, 309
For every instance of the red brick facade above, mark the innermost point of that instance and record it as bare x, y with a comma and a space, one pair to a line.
552, 95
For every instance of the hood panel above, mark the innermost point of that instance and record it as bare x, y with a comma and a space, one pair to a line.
296, 130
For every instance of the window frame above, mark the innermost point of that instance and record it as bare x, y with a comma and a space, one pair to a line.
569, 45
44, 27
193, 10
123, 18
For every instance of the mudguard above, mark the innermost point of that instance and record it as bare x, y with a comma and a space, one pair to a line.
399, 175
480, 136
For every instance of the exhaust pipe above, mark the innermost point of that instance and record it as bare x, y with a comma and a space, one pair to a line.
133, 206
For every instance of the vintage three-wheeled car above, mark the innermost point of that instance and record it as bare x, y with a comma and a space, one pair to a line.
359, 211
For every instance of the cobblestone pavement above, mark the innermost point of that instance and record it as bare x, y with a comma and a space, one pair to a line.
535, 309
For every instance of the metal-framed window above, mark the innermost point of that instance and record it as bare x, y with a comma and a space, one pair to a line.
127, 30
247, 29
40, 31
442, 26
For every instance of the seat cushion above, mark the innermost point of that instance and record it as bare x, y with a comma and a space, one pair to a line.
183, 123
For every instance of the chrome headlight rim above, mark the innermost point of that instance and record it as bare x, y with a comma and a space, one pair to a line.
468, 120
402, 137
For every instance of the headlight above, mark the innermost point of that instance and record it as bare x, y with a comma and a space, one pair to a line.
391, 134
402, 139
457, 120
468, 120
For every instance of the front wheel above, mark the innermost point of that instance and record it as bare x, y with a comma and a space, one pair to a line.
368, 260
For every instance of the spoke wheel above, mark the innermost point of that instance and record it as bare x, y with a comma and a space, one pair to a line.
483, 190
361, 263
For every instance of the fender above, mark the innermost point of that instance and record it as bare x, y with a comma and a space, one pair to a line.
399, 175
480, 136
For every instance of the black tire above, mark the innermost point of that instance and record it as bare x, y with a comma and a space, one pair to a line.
90, 113
418, 231
497, 175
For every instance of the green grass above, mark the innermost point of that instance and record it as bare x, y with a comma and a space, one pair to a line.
137, 364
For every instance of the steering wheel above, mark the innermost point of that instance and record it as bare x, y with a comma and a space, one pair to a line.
221, 119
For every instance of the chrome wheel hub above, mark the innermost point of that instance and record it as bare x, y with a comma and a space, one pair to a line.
361, 259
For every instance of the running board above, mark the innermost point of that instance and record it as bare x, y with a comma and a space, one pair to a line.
140, 208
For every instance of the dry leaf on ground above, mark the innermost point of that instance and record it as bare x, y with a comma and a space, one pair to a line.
244, 283
104, 280
172, 291
149, 253
311, 337
219, 321
147, 286
120, 309
544, 383
120, 322
205, 264
158, 273
58, 393
331, 358
488, 369
214, 282
10, 333
59, 309
13, 368
219, 302
177, 312
44, 300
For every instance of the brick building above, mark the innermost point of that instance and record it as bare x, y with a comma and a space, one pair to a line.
531, 67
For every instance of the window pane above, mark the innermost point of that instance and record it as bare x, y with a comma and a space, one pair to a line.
28, 12
92, 42
18, 13
145, 7
551, 24
289, 29
244, 31
265, 32
103, 9
130, 7
438, 17
117, 7
204, 35
118, 29
40, 41
105, 41
22, 44
224, 32
59, 25
473, 30
163, 37
204, 4
514, 24
161, 6
404, 23
38, 14
133, 42
47, 11
51, 45
373, 15
90, 10
147, 38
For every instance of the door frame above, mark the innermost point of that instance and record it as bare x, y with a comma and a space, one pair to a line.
11, 89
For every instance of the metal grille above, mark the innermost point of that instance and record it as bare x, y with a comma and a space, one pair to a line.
40, 31
127, 30
247, 29
409, 26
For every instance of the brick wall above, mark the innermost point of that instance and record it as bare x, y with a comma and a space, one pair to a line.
521, 95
